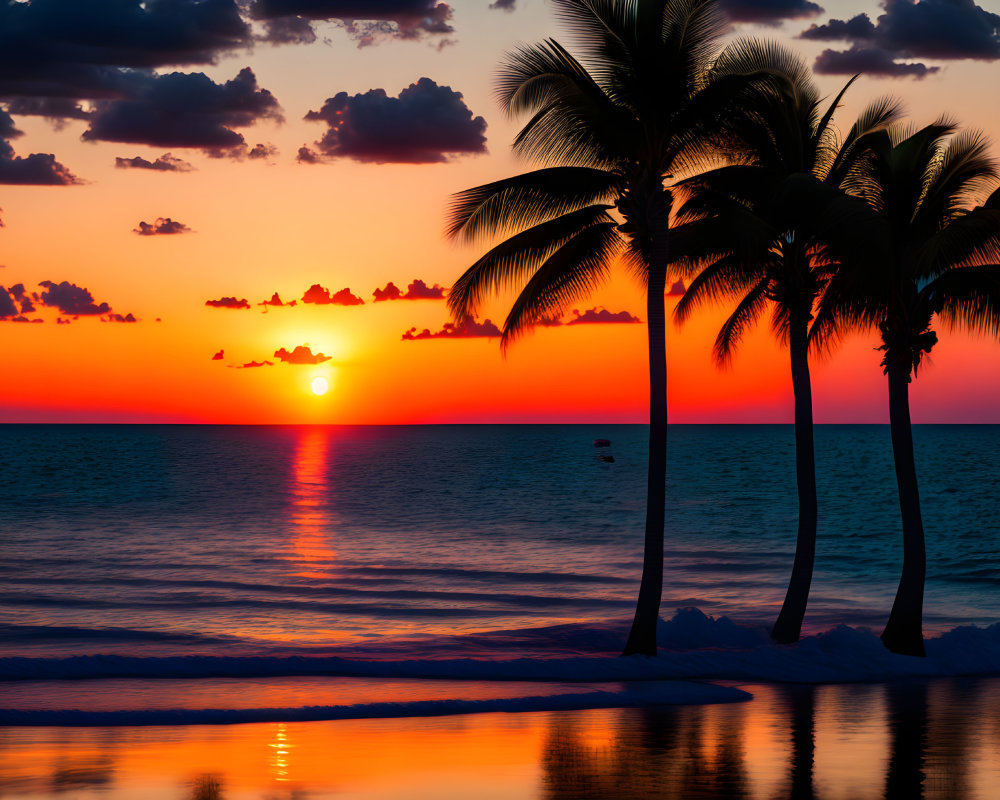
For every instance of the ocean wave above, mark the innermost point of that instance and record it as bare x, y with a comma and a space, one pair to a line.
694, 646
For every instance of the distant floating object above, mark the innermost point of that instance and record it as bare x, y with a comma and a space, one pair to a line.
602, 443
607, 459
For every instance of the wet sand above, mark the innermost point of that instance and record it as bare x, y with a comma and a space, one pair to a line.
929, 740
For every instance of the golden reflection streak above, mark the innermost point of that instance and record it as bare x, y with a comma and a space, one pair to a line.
311, 521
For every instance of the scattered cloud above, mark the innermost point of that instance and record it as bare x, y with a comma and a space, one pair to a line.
365, 21
180, 109
319, 295
504, 5
21, 297
677, 289
253, 364
425, 124
163, 226
25, 319
288, 30
300, 355
165, 163
37, 169
8, 308
62, 321
228, 302
598, 316
71, 299
768, 11
417, 290
870, 61
925, 29
260, 152
275, 300
219, 356
466, 328
119, 318
307, 155
55, 109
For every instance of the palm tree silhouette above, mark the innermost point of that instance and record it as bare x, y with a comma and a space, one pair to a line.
645, 100
758, 232
930, 255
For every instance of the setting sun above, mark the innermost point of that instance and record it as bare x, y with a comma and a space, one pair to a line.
320, 385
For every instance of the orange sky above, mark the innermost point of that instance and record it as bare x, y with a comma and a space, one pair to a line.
274, 225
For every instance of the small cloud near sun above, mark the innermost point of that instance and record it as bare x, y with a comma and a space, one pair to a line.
228, 302
163, 226
253, 364
219, 356
321, 296
275, 301
119, 318
302, 354
417, 290
595, 316
465, 328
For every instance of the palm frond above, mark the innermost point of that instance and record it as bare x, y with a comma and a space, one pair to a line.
968, 297
728, 277
570, 273
964, 172
507, 263
745, 315
514, 203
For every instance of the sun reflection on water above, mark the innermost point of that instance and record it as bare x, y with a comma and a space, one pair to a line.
310, 516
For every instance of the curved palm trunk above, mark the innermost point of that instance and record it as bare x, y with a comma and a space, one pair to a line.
642, 637
788, 626
904, 631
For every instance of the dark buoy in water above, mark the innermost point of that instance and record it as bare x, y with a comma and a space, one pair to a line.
602, 443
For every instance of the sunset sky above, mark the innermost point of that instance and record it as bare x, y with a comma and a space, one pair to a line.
168, 166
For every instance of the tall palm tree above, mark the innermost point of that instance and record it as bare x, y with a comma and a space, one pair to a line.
757, 231
645, 99
933, 257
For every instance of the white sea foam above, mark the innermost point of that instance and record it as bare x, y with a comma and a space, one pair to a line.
693, 647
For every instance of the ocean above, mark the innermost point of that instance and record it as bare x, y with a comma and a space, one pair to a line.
436, 541
436, 611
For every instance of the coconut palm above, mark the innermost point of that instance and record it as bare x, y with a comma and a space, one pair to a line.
757, 232
933, 257
644, 100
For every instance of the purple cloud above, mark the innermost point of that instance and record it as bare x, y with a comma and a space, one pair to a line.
163, 226
228, 302
601, 316
465, 328
300, 355
165, 163
71, 299
417, 290
425, 124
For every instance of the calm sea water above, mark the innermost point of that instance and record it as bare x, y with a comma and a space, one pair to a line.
443, 539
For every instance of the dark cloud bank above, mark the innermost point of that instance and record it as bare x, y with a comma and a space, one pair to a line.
425, 124
927, 29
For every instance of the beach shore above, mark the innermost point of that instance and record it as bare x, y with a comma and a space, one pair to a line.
932, 739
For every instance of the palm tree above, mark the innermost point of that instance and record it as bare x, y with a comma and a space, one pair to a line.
757, 231
933, 256
642, 102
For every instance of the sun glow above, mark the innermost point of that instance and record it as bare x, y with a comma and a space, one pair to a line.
320, 385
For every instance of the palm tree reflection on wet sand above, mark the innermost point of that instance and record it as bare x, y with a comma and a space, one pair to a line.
911, 741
